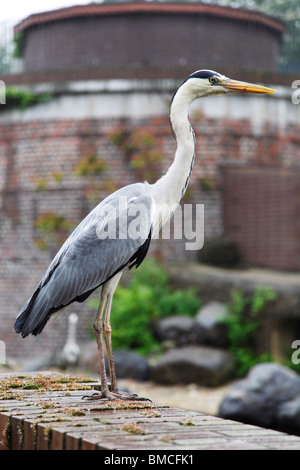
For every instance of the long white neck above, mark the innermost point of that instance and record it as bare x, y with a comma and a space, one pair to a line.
170, 188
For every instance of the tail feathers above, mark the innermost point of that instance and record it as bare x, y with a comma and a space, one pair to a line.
33, 317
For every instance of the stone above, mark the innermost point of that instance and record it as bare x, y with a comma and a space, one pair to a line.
219, 252
131, 365
176, 330
128, 364
258, 397
210, 327
200, 365
288, 416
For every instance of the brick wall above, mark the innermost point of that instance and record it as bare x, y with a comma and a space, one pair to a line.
261, 214
37, 176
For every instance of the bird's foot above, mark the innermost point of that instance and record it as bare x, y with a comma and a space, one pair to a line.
115, 395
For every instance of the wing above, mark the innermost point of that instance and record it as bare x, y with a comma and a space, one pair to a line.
116, 234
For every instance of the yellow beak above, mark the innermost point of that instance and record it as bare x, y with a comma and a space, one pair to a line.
243, 87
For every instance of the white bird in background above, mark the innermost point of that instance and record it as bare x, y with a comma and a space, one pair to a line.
71, 351
90, 258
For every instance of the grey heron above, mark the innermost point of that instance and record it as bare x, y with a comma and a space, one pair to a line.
101, 247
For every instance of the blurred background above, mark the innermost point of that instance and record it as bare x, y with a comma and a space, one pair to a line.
87, 94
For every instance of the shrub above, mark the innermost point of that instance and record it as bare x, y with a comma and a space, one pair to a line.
51, 230
243, 324
21, 99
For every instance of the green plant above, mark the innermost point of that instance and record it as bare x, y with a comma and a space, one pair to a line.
207, 184
41, 184
90, 165
57, 176
142, 151
242, 324
51, 229
146, 163
21, 99
48, 222
118, 138
18, 44
147, 298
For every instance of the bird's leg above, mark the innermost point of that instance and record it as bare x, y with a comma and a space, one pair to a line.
115, 392
105, 303
102, 326
118, 394
107, 340
98, 330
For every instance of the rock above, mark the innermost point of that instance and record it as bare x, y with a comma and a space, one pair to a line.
177, 330
128, 364
209, 325
288, 416
219, 252
258, 398
131, 365
194, 364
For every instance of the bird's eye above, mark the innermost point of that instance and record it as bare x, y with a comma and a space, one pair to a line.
213, 80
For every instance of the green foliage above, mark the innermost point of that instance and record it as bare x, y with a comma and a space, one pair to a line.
118, 138
18, 44
90, 165
21, 99
147, 298
50, 222
243, 324
295, 366
207, 184
179, 302
51, 229
57, 176
142, 150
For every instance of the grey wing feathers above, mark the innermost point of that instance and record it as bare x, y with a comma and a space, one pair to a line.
115, 234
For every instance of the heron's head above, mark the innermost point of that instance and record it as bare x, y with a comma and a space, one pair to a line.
207, 82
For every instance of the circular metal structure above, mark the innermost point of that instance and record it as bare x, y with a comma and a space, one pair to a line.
156, 35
